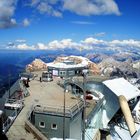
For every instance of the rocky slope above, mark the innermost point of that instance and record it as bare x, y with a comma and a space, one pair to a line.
112, 67
37, 64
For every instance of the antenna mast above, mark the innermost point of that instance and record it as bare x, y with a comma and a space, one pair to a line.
64, 113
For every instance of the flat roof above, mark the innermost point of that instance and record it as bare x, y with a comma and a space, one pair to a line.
84, 63
49, 95
66, 66
120, 86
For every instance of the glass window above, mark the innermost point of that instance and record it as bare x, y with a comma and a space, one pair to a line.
42, 124
62, 73
54, 126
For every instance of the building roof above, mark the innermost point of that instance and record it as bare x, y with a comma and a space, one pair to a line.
49, 97
120, 86
84, 63
64, 65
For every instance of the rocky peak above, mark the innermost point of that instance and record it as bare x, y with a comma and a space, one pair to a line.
37, 64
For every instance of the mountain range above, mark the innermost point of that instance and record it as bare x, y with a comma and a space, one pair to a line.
13, 62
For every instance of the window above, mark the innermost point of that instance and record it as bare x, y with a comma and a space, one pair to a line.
54, 126
42, 124
71, 72
62, 73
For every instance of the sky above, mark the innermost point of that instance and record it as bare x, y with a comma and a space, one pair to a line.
80, 24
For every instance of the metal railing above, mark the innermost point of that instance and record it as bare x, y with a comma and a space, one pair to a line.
9, 121
15, 101
24, 89
69, 111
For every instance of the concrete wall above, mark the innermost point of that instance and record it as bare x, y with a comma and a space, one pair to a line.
73, 126
49, 120
76, 127
32, 129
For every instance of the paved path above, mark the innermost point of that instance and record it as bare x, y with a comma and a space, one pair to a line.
17, 130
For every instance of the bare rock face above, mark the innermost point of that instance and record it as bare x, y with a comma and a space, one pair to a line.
93, 68
37, 64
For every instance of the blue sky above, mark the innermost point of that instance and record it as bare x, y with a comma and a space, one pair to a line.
25, 24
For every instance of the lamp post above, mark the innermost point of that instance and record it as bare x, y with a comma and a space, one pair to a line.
84, 74
64, 112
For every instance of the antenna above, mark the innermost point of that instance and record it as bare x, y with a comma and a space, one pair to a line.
64, 112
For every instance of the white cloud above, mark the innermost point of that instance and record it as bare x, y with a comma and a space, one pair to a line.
47, 7
66, 42
25, 47
34, 2
7, 9
63, 44
56, 13
96, 7
26, 22
58, 44
37, 2
10, 44
41, 46
99, 34
129, 43
44, 7
83, 22
80, 7
21, 40
86, 44
93, 41
13, 21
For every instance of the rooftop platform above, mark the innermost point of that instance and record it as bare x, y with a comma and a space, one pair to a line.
46, 97
49, 97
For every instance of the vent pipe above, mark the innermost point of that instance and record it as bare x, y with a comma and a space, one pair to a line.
127, 114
